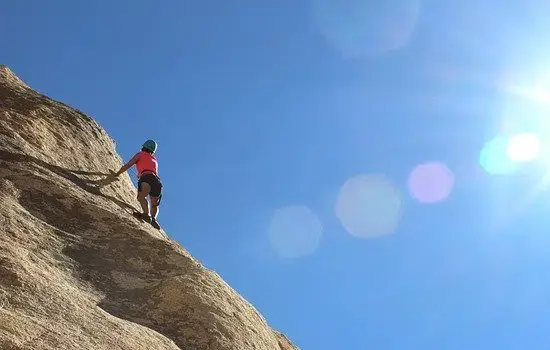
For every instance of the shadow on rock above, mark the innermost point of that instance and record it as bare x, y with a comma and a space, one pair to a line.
90, 186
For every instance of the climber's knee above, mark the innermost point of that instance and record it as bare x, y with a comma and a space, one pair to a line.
155, 201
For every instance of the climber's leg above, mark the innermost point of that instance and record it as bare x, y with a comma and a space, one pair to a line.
155, 196
155, 201
143, 191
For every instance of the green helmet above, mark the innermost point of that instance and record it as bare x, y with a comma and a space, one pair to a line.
150, 145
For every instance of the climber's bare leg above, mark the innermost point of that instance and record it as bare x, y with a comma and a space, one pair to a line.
154, 206
144, 190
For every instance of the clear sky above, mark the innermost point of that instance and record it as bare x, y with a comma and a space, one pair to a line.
324, 156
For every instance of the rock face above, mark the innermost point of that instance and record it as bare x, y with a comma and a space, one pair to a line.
77, 270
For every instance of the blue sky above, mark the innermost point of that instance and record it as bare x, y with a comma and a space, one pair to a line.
259, 108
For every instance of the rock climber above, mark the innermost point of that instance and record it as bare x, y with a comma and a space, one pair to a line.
148, 181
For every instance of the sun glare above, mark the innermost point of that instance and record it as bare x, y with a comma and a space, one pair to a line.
523, 147
527, 109
502, 155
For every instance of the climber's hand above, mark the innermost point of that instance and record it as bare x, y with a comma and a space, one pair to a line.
110, 178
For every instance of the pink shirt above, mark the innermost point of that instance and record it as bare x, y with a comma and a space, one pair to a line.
146, 162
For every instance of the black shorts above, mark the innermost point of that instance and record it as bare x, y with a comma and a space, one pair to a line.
154, 182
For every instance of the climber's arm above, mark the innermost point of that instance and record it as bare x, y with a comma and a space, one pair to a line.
127, 166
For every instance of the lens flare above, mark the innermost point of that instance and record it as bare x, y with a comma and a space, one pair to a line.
431, 182
369, 206
295, 231
523, 147
494, 159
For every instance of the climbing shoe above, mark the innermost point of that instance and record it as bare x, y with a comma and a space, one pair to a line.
142, 216
155, 223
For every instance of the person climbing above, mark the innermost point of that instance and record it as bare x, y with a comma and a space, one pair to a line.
149, 183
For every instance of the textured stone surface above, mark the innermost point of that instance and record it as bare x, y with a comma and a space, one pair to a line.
77, 271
